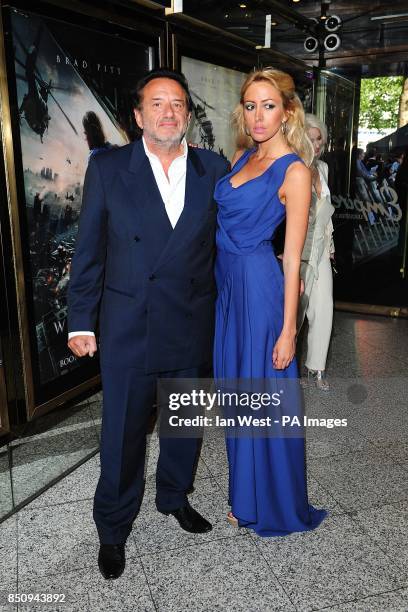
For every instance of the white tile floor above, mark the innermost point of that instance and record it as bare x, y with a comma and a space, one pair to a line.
356, 561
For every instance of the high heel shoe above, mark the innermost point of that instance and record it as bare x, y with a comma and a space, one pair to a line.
318, 379
232, 520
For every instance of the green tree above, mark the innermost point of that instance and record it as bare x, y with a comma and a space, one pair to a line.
379, 102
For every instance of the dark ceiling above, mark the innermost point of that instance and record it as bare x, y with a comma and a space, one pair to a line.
374, 34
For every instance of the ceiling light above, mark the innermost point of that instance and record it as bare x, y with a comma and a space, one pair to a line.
311, 44
332, 42
274, 23
333, 23
242, 5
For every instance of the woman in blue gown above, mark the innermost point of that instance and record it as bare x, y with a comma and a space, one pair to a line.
257, 303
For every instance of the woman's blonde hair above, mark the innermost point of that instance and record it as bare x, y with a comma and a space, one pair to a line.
312, 121
294, 133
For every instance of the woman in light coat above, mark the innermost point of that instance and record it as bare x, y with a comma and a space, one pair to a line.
316, 303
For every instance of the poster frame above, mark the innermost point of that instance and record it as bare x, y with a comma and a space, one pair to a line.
4, 418
39, 397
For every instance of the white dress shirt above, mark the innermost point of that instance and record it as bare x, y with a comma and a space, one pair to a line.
172, 191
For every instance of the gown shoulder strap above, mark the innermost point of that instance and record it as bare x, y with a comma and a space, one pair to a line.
281, 166
287, 160
241, 160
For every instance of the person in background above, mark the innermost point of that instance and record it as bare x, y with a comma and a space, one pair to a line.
316, 303
395, 167
370, 161
362, 169
94, 134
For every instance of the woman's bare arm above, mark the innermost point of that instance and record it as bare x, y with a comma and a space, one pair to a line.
296, 193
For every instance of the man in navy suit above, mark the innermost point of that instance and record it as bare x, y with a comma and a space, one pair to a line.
143, 268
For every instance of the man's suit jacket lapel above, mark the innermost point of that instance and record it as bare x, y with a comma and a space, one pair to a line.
155, 227
162, 241
196, 201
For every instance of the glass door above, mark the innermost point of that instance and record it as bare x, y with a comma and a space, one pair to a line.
367, 215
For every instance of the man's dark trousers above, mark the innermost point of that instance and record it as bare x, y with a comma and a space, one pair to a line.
128, 400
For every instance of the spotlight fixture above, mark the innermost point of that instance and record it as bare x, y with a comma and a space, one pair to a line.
242, 5
311, 44
323, 9
274, 23
332, 42
333, 23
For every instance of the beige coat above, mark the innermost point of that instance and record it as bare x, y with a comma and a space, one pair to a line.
319, 238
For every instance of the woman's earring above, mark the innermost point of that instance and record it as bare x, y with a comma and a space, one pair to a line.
284, 127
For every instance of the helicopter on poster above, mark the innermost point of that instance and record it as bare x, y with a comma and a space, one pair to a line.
206, 130
34, 106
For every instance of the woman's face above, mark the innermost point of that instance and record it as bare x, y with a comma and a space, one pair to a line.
315, 136
263, 111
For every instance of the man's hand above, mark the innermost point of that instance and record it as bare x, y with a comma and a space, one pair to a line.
83, 345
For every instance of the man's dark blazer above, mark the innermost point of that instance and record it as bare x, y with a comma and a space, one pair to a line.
151, 287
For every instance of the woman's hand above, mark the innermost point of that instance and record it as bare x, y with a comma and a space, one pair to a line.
283, 351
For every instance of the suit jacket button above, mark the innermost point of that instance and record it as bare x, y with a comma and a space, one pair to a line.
136, 239
152, 277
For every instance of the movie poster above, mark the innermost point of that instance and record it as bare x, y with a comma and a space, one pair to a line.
73, 94
215, 92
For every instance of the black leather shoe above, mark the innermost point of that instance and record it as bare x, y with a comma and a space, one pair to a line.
111, 560
190, 520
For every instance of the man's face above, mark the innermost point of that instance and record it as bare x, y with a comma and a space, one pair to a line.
163, 115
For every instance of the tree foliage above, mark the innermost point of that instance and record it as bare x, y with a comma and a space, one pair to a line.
379, 102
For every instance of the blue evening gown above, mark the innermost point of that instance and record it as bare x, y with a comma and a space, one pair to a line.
267, 475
